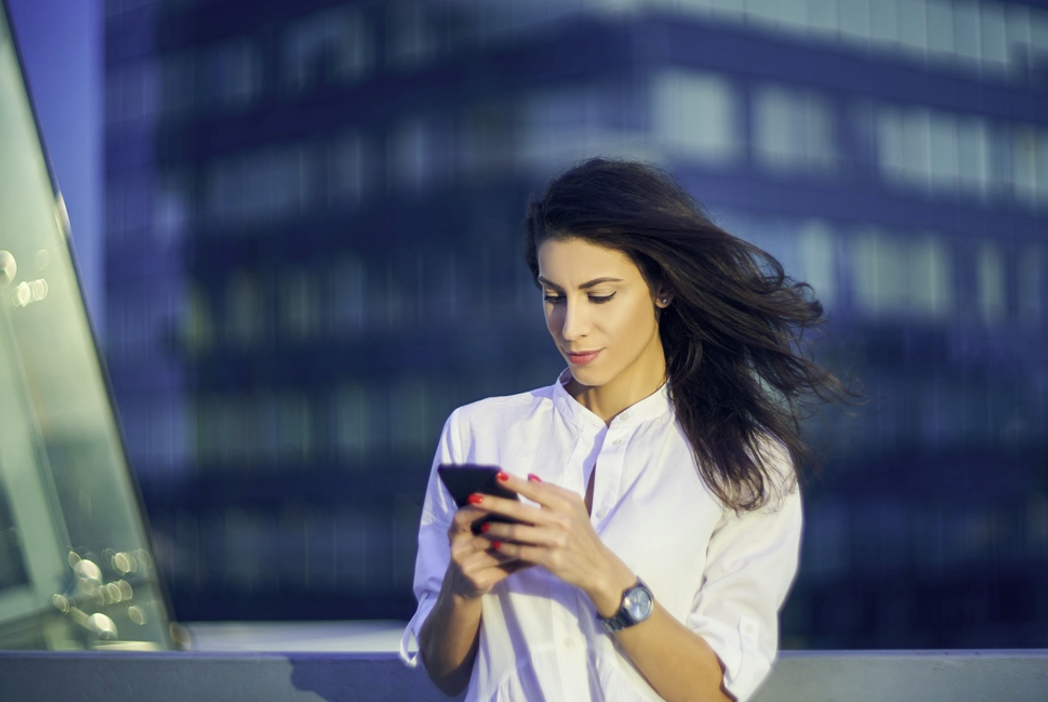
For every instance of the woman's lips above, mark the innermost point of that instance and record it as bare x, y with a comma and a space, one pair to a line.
583, 357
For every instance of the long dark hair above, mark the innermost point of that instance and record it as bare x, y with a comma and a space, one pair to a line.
733, 335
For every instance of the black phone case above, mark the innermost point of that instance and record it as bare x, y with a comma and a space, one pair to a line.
463, 480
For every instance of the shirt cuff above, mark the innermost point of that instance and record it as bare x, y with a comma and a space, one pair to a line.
413, 629
739, 650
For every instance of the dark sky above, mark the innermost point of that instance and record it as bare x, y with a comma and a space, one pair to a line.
61, 45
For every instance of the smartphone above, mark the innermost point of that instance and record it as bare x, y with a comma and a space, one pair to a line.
464, 479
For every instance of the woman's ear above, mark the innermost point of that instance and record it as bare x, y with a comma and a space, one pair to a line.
663, 298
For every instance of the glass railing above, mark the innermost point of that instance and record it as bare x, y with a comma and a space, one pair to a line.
76, 567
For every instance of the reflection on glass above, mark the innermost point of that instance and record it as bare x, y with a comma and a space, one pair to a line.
75, 569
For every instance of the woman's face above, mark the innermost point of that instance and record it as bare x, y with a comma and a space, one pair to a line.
602, 314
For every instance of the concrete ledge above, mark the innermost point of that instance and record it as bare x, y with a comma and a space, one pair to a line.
808, 676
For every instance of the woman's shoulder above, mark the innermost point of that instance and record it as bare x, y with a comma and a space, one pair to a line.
502, 407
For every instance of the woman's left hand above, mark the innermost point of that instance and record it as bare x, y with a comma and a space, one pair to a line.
558, 535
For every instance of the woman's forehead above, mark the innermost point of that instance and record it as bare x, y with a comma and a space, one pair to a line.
573, 261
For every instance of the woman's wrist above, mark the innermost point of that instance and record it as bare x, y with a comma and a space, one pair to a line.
606, 590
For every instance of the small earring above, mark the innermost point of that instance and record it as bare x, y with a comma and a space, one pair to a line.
665, 301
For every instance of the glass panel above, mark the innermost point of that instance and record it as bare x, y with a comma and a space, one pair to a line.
76, 569
696, 114
991, 286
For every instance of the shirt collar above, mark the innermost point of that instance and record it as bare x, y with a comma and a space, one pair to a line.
652, 406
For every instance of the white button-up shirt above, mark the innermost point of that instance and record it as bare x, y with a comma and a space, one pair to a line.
724, 575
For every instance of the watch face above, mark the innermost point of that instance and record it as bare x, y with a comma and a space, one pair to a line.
638, 604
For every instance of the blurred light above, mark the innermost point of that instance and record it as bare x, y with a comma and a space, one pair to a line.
61, 603
39, 287
88, 574
41, 259
103, 626
125, 589
23, 294
8, 268
136, 615
124, 562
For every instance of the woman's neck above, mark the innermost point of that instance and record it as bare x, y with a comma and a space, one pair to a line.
611, 399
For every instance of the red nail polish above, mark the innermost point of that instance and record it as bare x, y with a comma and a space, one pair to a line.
534, 478
502, 475
476, 498
485, 527
496, 545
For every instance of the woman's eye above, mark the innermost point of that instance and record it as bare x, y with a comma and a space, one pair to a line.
553, 299
600, 299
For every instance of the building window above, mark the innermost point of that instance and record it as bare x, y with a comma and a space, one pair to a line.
793, 130
901, 276
1030, 165
346, 305
178, 88
295, 430
1031, 285
132, 91
299, 303
333, 47
348, 170
818, 256
928, 281
198, 324
974, 175
990, 284
696, 115
411, 38
353, 429
562, 125
245, 310
912, 26
256, 187
421, 153
171, 209
235, 75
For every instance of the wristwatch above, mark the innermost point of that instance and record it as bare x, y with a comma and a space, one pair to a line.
637, 603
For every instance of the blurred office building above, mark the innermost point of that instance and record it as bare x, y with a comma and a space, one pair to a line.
313, 255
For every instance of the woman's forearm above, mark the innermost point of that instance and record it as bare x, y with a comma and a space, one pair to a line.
676, 661
448, 640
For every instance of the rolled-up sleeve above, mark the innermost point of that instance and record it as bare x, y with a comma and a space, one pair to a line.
433, 551
751, 561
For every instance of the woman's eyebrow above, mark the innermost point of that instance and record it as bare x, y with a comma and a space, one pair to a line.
585, 286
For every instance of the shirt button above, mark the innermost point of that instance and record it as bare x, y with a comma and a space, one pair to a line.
569, 644
624, 416
616, 442
601, 513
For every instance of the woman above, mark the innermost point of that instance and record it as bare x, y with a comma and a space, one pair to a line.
659, 527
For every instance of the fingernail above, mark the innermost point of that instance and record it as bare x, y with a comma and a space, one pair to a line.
502, 475
534, 478
485, 527
496, 545
476, 499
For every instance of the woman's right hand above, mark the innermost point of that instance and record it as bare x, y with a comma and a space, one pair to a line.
448, 639
475, 566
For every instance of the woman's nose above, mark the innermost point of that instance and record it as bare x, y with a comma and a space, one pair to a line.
575, 324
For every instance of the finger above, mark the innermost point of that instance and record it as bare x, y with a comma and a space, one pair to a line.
533, 555
478, 562
505, 507
524, 533
545, 494
515, 565
463, 519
